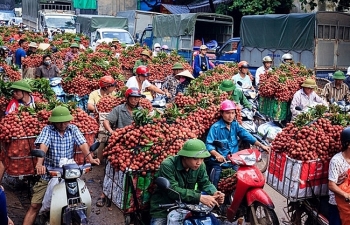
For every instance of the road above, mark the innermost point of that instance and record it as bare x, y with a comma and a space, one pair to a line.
18, 201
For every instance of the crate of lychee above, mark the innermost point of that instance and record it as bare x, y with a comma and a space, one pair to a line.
228, 181
277, 88
300, 156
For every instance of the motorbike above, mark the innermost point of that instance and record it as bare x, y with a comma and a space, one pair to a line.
249, 124
71, 200
56, 86
196, 214
251, 95
248, 199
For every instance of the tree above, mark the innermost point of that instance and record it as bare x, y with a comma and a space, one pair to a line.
259, 7
341, 5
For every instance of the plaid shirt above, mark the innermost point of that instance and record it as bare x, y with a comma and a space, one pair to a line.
330, 91
170, 84
59, 146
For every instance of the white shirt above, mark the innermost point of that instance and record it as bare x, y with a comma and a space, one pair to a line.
246, 82
132, 82
259, 71
338, 168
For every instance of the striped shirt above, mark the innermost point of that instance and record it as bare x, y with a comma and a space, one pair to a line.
338, 94
59, 146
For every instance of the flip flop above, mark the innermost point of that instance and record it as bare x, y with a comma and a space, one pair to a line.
101, 201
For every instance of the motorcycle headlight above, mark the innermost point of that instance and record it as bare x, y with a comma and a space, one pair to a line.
72, 173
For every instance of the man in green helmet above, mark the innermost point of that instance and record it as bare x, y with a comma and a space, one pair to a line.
234, 93
337, 90
184, 171
73, 53
57, 141
21, 96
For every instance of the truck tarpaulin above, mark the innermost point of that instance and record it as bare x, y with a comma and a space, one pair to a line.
7, 4
292, 31
90, 23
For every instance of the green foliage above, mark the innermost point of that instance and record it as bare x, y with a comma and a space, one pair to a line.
342, 5
255, 7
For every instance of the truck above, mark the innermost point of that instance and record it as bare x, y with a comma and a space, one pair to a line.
320, 41
137, 21
38, 14
7, 10
101, 28
186, 32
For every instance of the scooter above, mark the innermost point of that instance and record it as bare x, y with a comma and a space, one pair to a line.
56, 86
71, 200
249, 124
196, 214
249, 199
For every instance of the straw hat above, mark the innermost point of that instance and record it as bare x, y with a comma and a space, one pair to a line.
185, 73
203, 47
146, 53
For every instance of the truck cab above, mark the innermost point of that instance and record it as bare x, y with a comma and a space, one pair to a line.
229, 52
107, 35
54, 19
147, 37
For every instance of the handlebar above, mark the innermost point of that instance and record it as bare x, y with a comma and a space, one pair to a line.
167, 205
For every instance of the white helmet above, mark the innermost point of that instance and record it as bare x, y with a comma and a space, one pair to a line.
267, 59
156, 45
286, 56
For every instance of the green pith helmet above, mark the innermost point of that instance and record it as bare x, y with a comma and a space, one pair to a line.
194, 148
177, 66
309, 83
21, 85
338, 75
77, 39
65, 41
74, 45
60, 114
227, 85
123, 45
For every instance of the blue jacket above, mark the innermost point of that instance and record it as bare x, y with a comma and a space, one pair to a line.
197, 65
218, 131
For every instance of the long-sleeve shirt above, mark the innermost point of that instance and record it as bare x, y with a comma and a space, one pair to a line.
261, 70
181, 181
304, 101
201, 65
218, 131
330, 91
238, 97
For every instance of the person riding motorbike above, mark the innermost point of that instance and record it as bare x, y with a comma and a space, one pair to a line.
287, 58
57, 141
337, 90
267, 62
243, 76
338, 172
234, 93
226, 130
21, 96
184, 171
156, 49
107, 87
145, 58
47, 69
140, 81
165, 49
305, 97
185, 78
170, 83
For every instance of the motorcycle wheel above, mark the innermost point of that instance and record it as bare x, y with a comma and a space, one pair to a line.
262, 165
263, 215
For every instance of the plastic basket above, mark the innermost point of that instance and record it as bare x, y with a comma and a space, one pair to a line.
117, 187
321, 82
274, 109
295, 179
20, 166
19, 147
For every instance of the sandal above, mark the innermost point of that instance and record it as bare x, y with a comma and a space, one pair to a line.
101, 201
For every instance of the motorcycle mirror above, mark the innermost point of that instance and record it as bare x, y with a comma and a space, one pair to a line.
37, 153
298, 108
218, 144
239, 83
94, 146
162, 183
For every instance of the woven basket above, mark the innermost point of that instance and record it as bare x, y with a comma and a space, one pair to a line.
321, 82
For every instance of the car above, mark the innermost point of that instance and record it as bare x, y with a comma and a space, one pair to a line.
15, 21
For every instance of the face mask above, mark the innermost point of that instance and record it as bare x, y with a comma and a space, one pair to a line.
182, 79
157, 49
47, 63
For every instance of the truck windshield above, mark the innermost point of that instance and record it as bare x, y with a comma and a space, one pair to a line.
123, 37
6, 15
60, 21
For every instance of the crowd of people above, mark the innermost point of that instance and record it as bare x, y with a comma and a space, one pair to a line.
187, 168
